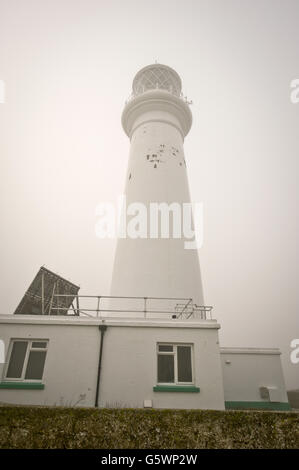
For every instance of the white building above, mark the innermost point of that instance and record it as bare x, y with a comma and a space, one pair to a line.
157, 345
55, 360
129, 364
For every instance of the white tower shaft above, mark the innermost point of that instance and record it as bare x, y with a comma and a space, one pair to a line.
156, 119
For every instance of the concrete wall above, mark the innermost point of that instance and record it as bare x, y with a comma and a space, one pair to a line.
245, 370
70, 367
158, 267
128, 366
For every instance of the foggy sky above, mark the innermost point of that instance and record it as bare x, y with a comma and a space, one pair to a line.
68, 67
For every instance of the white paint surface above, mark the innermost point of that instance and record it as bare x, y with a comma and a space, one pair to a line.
157, 122
245, 370
131, 373
128, 365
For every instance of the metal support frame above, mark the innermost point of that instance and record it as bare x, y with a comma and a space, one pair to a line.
43, 293
51, 301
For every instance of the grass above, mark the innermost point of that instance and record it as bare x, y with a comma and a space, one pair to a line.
34, 427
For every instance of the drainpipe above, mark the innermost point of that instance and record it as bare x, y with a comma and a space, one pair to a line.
102, 329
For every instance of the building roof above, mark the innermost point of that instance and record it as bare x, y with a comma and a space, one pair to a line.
46, 320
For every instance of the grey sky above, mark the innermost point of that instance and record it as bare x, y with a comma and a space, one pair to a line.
68, 67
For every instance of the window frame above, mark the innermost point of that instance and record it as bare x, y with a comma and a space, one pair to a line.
29, 342
175, 354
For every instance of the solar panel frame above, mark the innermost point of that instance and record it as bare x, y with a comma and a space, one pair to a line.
40, 299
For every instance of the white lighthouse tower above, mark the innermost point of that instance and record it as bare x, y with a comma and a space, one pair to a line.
156, 119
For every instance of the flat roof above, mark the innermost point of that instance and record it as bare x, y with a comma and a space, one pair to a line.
271, 351
119, 321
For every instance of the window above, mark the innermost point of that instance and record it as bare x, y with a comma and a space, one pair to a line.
26, 360
174, 364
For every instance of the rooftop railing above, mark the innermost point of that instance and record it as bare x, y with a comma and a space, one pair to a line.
101, 306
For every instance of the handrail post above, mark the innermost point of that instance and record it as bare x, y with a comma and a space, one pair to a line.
145, 299
77, 304
98, 305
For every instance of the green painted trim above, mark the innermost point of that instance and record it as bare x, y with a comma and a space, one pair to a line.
176, 388
257, 405
23, 385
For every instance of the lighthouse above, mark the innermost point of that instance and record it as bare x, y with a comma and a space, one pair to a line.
156, 345
156, 119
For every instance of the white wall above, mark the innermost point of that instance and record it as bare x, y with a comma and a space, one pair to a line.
128, 365
129, 368
157, 267
70, 368
245, 370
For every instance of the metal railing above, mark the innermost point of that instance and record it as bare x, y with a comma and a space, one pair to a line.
132, 307
181, 95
